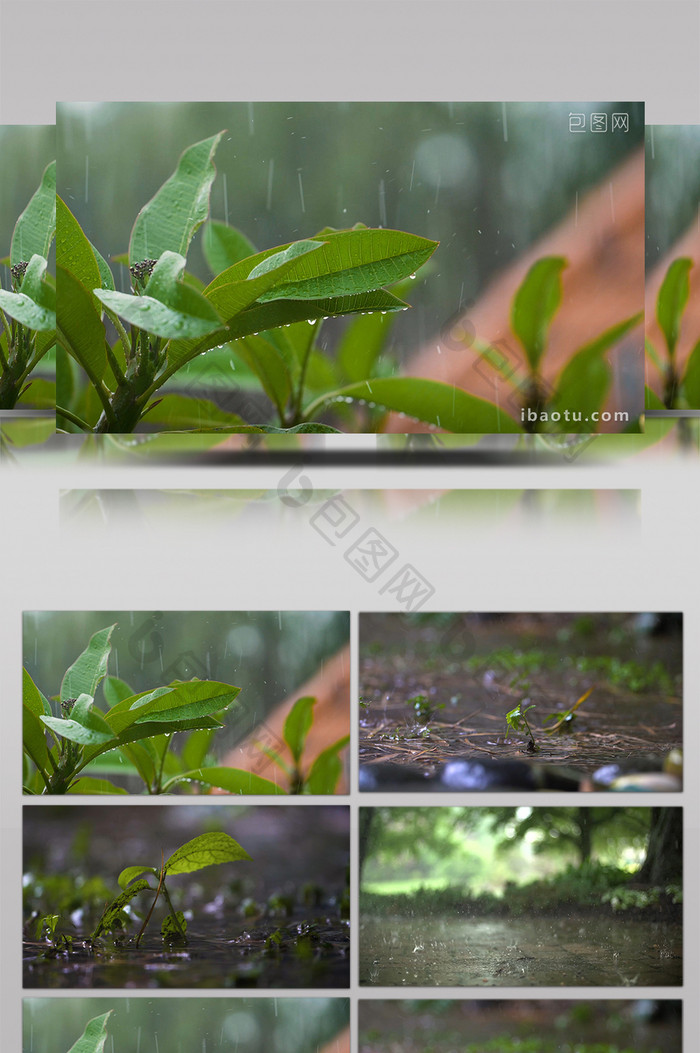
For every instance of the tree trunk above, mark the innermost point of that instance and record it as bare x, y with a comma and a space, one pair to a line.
664, 858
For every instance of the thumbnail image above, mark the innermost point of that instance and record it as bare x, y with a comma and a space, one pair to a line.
200, 895
526, 701
186, 702
521, 897
673, 267
257, 276
27, 286
129, 1025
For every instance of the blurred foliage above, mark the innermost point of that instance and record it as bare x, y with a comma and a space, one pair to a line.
672, 185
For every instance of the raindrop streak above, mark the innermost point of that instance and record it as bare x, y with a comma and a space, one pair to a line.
87, 171
270, 177
301, 190
413, 169
251, 119
651, 140
225, 199
382, 204
505, 122
612, 202
155, 1039
576, 211
437, 189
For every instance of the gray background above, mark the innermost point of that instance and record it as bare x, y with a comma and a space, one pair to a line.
140, 50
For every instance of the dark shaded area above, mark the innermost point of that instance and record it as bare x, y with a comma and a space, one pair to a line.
496, 1026
435, 688
209, 1025
278, 921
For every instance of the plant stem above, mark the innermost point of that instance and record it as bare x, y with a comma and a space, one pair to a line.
298, 417
173, 913
161, 885
73, 418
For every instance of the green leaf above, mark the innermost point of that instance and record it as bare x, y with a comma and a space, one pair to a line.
71, 729
116, 690
106, 276
34, 707
691, 378
94, 1036
158, 318
233, 780
223, 246
90, 667
35, 229
204, 851
362, 343
130, 874
584, 381
441, 404
196, 748
74, 252
80, 327
35, 305
352, 262
88, 785
326, 769
672, 299
298, 724
173, 928
184, 701
265, 360
181, 412
535, 304
178, 209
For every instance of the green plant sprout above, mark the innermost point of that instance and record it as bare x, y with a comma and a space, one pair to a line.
203, 851
517, 721
423, 708
681, 389
566, 719
324, 772
94, 1036
28, 309
75, 752
580, 389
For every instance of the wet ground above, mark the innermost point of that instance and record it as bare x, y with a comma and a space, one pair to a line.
408, 1027
305, 952
468, 690
573, 952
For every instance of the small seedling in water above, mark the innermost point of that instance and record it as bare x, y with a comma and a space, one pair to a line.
565, 720
423, 708
202, 851
517, 721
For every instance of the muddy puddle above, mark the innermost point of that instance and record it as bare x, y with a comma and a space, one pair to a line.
300, 953
572, 952
628, 718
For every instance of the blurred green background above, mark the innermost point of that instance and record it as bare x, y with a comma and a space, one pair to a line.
209, 1025
485, 179
672, 185
268, 654
25, 151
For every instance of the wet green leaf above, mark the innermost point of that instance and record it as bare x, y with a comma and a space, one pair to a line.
224, 245
326, 769
691, 378
94, 1036
178, 209
204, 851
35, 229
90, 667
